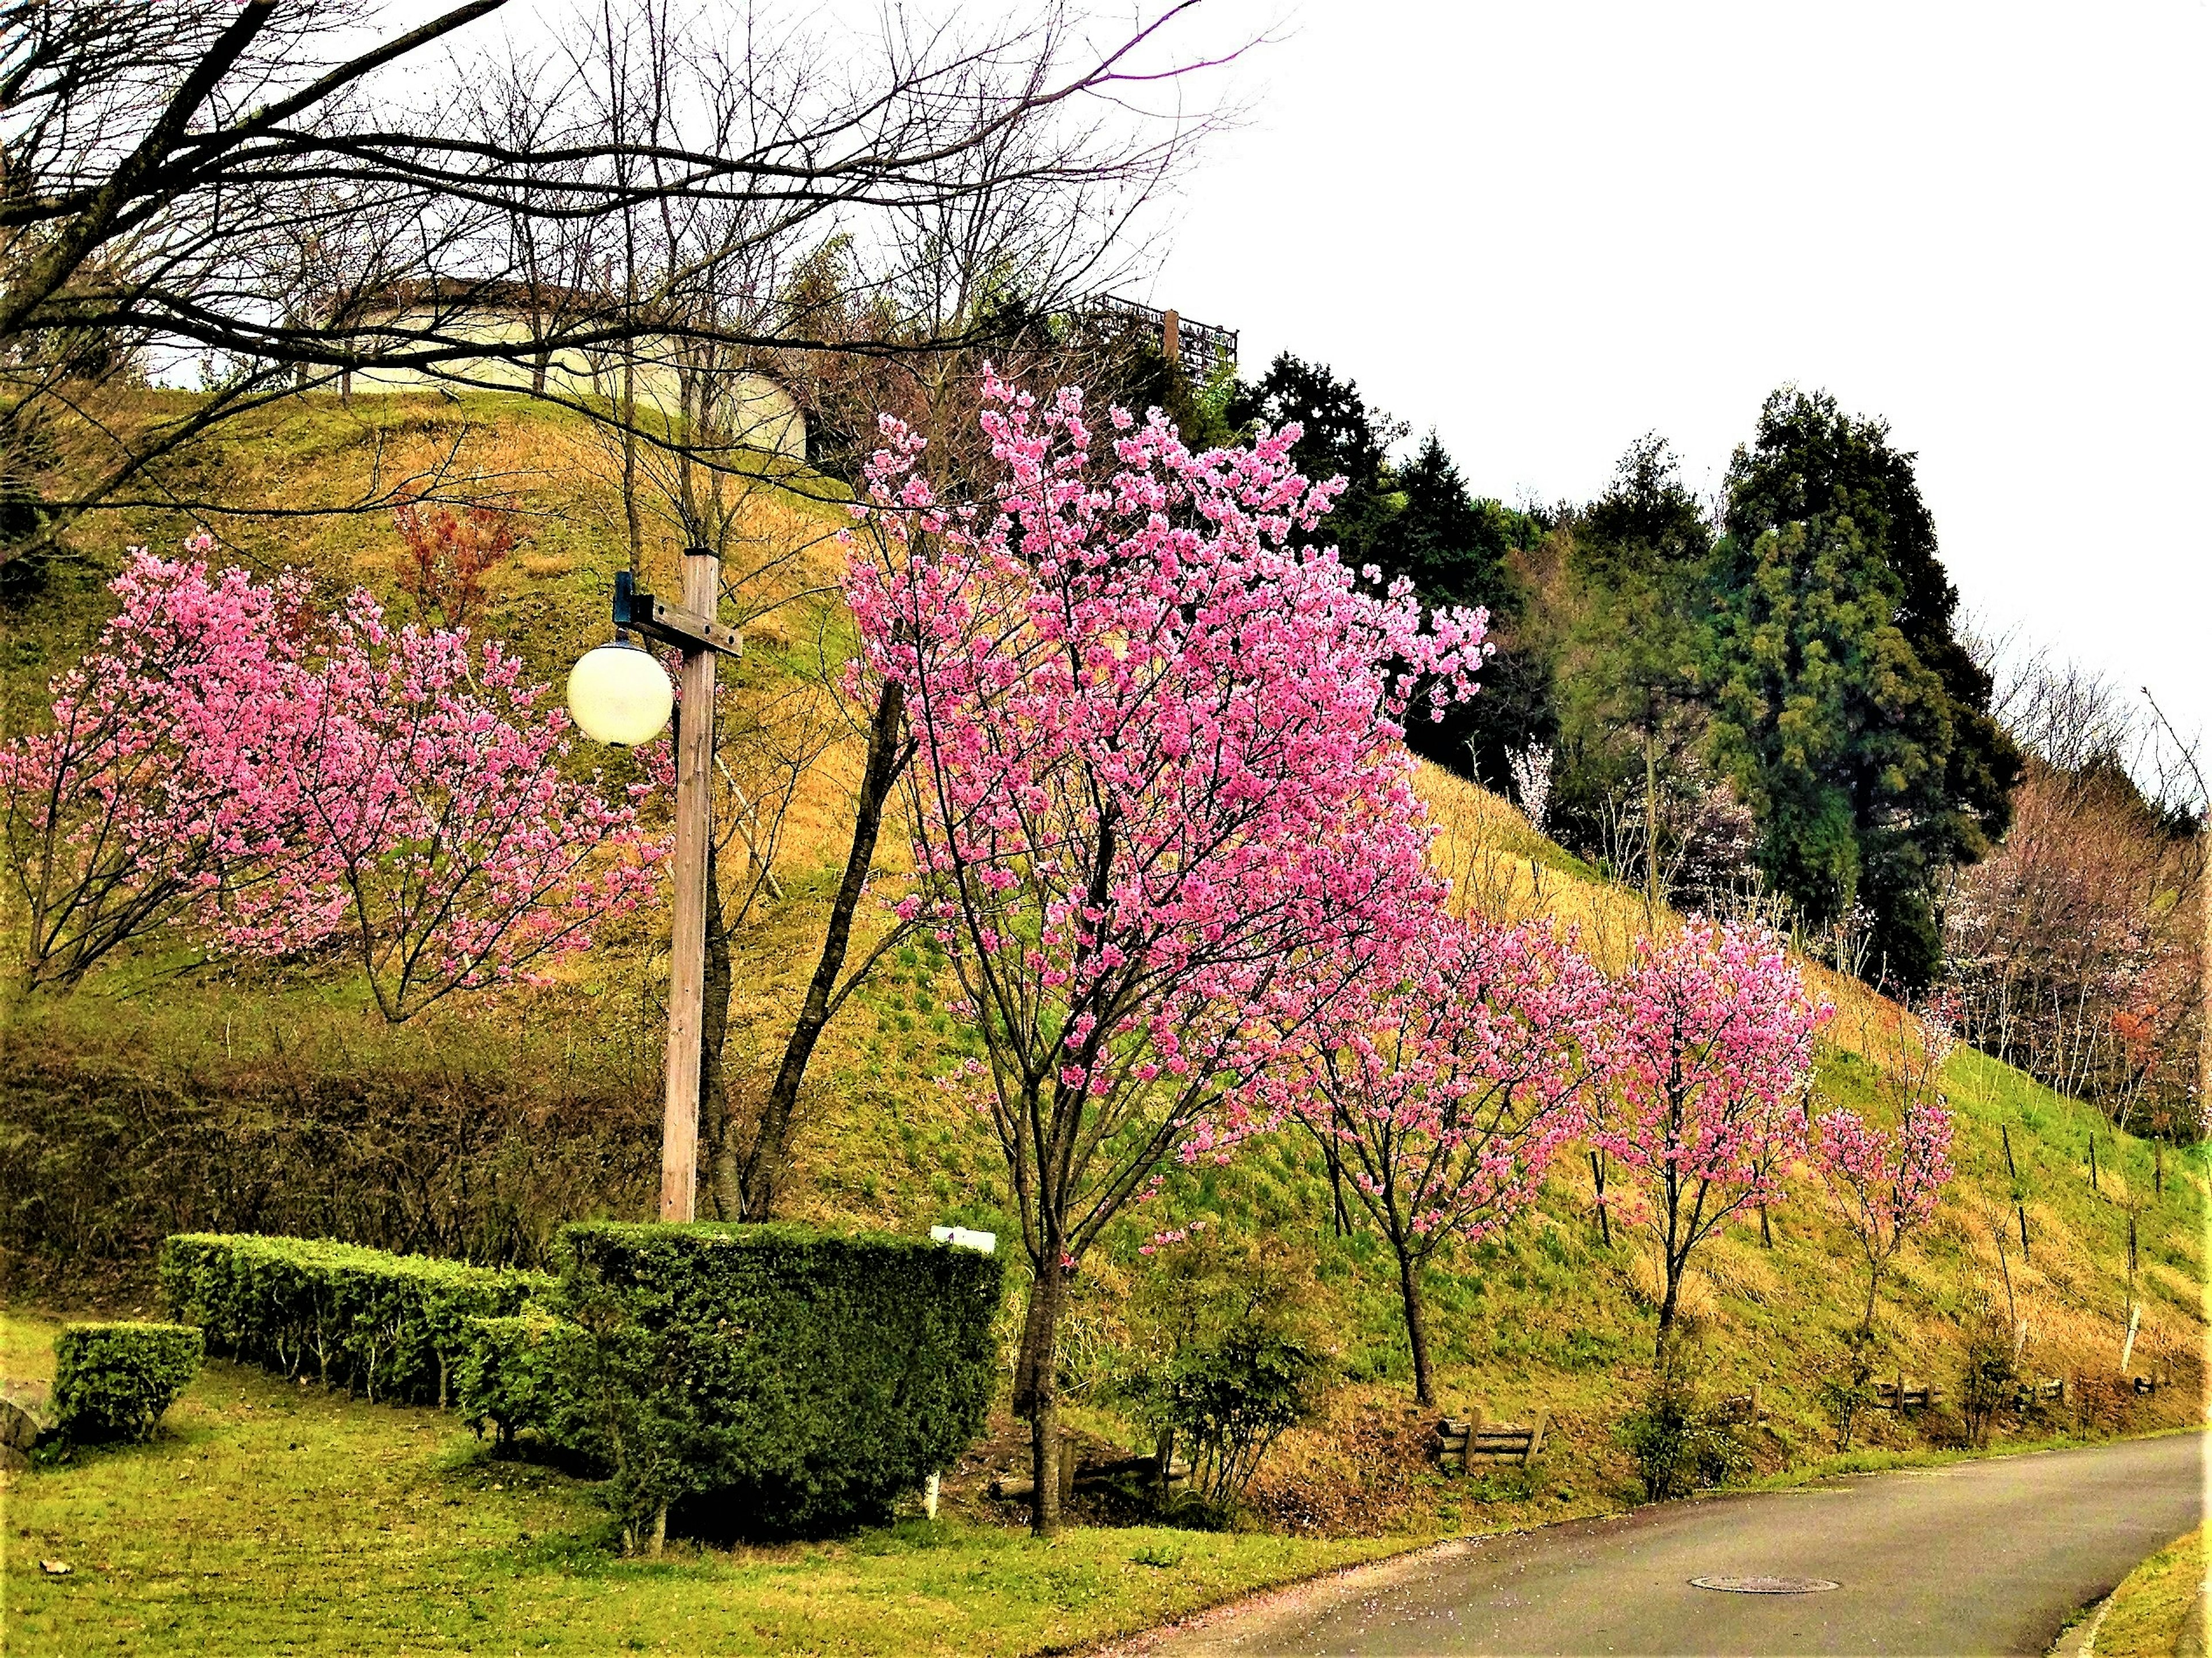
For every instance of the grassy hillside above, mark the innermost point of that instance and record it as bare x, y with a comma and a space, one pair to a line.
1549, 1316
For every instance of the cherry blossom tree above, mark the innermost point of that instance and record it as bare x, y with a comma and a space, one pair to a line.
439, 843
1886, 1182
1446, 1089
165, 774
1161, 811
227, 758
1709, 1047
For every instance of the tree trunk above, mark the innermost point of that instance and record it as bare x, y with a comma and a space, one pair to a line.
1651, 821
764, 1165
1667, 1307
1036, 1390
1417, 1327
1340, 1218
633, 528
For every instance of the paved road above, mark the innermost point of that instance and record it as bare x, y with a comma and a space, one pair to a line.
1983, 1557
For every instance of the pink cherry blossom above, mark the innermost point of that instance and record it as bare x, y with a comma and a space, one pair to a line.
1446, 1082
1161, 810
1886, 1183
282, 781
1709, 1052
441, 843
163, 777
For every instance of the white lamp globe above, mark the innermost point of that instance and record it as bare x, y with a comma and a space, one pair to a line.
620, 695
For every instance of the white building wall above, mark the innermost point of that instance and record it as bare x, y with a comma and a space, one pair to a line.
766, 416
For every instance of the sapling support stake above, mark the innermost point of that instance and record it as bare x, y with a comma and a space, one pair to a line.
2093, 1186
2012, 1307
1597, 1173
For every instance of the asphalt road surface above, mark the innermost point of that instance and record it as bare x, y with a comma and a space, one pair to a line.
1985, 1557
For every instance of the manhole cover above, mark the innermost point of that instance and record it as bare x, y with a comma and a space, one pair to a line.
1766, 1585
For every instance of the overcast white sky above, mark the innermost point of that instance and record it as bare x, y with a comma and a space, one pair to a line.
1547, 227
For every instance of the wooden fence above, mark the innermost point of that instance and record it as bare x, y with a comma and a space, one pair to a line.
1470, 1445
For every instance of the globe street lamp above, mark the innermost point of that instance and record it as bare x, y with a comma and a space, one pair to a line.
619, 695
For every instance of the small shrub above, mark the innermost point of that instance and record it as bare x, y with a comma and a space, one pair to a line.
1678, 1444
1990, 1380
1225, 1402
391, 1327
1223, 1360
513, 1375
114, 1380
1846, 1390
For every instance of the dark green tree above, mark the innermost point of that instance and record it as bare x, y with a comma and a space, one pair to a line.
1418, 520
1850, 713
1456, 548
1342, 436
1632, 687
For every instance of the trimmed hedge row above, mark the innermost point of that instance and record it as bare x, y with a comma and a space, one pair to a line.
391, 1327
763, 1380
114, 1380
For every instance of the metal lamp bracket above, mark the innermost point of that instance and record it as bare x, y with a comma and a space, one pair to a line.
670, 623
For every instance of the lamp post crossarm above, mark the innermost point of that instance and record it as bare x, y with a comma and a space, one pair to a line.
688, 631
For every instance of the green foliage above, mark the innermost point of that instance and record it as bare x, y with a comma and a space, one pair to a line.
771, 1379
512, 1374
391, 1327
1225, 1401
1224, 1356
114, 1380
1846, 1387
1990, 1379
1856, 719
1677, 1443
1635, 639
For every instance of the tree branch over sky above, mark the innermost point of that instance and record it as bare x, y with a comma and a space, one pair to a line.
290, 191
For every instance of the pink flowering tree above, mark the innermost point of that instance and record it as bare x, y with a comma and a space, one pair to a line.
1160, 808
1709, 1052
280, 781
165, 776
1886, 1182
441, 843
1445, 1088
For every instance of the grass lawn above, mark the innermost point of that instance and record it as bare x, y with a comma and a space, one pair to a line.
2151, 1610
272, 1518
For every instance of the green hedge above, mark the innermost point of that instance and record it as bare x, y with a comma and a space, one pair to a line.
391, 1327
515, 1374
766, 1380
114, 1380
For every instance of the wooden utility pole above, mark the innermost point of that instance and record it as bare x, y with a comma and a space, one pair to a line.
691, 628
695, 845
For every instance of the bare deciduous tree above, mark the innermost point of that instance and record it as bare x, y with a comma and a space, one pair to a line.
279, 188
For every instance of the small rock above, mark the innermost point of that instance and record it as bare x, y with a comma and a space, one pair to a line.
55, 1568
26, 1417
